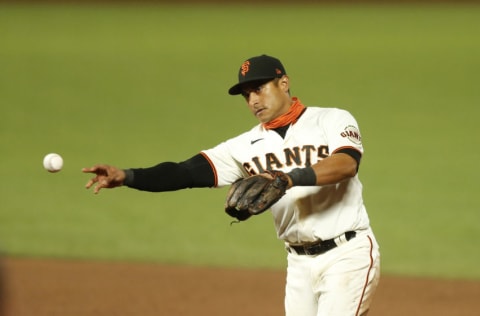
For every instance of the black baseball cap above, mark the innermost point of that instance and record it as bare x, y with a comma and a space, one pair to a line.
257, 68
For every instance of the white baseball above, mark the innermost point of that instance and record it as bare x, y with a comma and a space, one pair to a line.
53, 162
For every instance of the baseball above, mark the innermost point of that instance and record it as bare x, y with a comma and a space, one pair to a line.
53, 162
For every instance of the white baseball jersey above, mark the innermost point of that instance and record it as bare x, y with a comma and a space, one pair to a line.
304, 213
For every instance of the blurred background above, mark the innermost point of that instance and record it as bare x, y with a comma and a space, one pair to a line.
137, 83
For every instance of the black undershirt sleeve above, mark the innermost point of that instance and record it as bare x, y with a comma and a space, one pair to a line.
355, 154
195, 172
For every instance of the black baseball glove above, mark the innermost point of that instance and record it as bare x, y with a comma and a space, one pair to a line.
255, 194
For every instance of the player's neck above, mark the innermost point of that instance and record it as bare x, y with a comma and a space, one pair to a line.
282, 131
294, 112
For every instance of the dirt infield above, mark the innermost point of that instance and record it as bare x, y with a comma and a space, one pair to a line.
70, 288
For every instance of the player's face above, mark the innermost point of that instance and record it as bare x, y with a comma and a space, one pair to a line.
268, 100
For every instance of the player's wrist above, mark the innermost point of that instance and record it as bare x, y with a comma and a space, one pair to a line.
128, 181
302, 177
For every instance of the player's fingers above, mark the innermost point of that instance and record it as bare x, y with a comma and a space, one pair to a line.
91, 182
87, 170
100, 184
97, 189
98, 169
106, 177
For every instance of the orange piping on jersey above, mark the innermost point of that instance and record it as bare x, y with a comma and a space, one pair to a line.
213, 168
296, 109
368, 276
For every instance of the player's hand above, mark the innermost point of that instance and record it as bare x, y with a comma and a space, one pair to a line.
105, 176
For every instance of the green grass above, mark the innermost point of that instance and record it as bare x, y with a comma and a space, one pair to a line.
133, 86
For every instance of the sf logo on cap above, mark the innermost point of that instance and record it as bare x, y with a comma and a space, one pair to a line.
245, 68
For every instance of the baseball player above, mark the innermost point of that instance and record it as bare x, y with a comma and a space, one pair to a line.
307, 161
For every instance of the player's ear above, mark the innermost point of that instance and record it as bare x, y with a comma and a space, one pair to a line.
284, 83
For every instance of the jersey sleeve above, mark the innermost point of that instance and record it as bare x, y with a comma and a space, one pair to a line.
342, 131
226, 167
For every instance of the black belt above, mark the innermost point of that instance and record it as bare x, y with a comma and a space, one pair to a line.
320, 247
